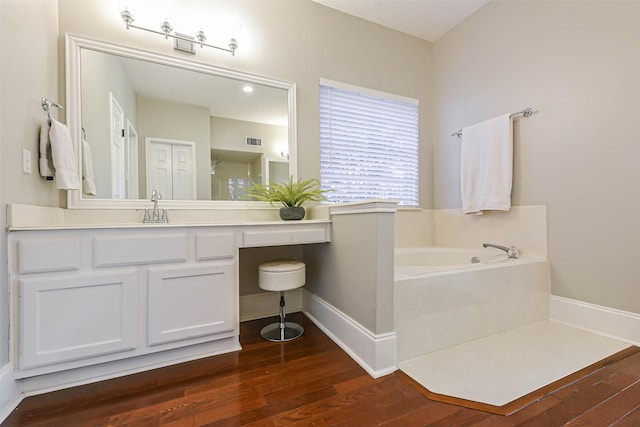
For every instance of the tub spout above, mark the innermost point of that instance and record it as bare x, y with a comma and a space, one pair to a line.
512, 252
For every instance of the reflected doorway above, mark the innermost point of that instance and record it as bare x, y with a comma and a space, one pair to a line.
277, 171
171, 168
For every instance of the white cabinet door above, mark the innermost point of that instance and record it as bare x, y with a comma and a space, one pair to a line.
191, 302
77, 317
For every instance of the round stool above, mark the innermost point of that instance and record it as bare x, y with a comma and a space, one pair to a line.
280, 276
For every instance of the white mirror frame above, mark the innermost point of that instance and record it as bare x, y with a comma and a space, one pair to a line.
74, 111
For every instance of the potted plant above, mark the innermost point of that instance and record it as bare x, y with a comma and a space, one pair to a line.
290, 194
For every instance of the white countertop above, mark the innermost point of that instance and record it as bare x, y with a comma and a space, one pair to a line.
165, 225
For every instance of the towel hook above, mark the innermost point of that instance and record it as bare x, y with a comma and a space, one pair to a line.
46, 104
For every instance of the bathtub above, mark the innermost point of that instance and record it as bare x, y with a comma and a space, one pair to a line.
442, 298
417, 261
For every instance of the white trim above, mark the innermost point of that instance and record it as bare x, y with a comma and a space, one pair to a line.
266, 304
374, 206
369, 92
377, 354
10, 392
622, 325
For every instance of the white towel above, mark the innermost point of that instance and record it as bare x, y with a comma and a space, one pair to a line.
487, 165
88, 182
64, 158
46, 160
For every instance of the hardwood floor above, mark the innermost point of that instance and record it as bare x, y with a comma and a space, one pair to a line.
312, 382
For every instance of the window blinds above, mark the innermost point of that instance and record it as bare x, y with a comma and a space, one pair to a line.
368, 147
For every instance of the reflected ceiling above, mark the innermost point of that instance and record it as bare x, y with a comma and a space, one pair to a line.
264, 105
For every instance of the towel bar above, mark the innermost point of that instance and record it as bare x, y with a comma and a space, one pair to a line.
525, 112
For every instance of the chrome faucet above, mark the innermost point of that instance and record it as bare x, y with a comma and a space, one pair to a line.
155, 197
154, 215
512, 252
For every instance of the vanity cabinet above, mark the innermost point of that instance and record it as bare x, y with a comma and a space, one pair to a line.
131, 298
86, 297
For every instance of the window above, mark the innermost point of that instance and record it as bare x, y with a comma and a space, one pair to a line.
368, 145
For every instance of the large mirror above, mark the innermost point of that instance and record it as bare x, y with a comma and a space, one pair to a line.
197, 134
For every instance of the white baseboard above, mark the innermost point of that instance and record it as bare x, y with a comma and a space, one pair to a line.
377, 354
622, 325
266, 304
10, 392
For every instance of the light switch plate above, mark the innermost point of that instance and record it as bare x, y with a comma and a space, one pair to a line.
26, 161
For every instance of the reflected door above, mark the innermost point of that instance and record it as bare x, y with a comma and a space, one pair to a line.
117, 150
276, 171
132, 161
171, 169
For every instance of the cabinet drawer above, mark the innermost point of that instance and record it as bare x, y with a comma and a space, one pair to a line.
139, 249
211, 246
76, 317
285, 237
43, 255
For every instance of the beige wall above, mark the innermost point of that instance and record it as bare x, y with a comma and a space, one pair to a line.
29, 72
577, 65
354, 273
28, 63
229, 134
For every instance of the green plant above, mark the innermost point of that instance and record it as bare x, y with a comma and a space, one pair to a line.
292, 194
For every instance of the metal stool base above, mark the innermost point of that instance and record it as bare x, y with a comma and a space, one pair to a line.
273, 332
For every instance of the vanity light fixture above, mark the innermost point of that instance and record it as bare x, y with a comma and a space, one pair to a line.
180, 41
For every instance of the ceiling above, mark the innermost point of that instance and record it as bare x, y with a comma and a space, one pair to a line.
425, 19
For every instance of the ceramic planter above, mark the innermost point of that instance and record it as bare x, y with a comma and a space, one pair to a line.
289, 213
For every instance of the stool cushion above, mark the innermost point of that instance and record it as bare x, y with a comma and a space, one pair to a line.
281, 275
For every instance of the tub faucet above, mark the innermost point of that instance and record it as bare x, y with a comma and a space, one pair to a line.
512, 252
154, 215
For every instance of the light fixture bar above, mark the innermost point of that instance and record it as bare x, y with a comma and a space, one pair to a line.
167, 29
